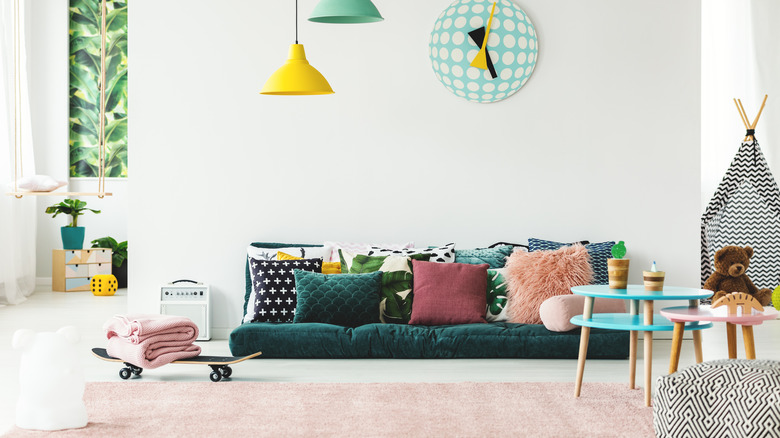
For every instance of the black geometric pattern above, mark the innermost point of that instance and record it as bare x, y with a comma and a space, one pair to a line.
274, 296
723, 398
745, 211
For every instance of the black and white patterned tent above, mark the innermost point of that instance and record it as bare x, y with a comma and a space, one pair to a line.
745, 211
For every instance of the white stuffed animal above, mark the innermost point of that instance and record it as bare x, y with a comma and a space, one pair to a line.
51, 380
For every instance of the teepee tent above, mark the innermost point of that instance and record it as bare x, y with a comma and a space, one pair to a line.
745, 211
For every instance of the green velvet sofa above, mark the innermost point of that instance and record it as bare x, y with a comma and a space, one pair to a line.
490, 340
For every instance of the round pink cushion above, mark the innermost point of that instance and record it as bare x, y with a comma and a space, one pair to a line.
557, 311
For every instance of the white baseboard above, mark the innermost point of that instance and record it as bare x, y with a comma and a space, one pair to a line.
43, 281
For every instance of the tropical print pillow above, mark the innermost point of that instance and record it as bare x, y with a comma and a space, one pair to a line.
496, 295
395, 300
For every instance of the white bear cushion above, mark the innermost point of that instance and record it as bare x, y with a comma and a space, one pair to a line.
51, 380
39, 183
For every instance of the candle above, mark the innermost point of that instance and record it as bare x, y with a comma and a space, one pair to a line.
653, 268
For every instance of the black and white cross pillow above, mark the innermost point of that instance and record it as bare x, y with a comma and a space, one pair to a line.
274, 297
442, 254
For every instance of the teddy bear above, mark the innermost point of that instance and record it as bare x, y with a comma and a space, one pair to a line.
731, 264
51, 380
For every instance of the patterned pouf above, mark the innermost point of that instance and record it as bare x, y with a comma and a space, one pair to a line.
722, 398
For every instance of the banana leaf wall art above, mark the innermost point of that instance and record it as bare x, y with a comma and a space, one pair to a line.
85, 22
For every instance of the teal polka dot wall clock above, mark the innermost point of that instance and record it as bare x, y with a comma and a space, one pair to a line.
483, 50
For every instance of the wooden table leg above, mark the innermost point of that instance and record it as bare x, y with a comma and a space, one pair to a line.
674, 361
587, 313
747, 338
648, 340
696, 335
697, 346
731, 336
632, 348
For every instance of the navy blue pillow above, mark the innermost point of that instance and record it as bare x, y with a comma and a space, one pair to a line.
599, 253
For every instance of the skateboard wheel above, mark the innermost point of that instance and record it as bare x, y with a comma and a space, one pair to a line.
124, 373
226, 371
215, 376
137, 371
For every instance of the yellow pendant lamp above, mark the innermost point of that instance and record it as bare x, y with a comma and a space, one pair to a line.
296, 77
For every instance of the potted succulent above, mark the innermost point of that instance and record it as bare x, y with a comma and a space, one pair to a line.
617, 267
118, 258
72, 234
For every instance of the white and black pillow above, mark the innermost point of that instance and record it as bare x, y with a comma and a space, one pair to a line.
274, 297
442, 254
304, 252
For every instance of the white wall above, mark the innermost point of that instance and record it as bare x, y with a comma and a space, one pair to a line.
49, 80
602, 143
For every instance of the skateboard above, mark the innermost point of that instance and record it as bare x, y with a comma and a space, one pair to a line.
220, 365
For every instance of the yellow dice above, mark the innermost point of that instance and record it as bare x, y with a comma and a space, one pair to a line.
103, 285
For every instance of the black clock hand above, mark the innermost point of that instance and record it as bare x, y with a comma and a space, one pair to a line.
478, 37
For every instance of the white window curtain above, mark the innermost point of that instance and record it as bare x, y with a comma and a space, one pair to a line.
740, 58
17, 216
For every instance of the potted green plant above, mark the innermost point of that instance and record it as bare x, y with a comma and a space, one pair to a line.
118, 257
72, 234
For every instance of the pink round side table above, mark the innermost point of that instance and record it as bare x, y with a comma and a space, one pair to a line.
680, 315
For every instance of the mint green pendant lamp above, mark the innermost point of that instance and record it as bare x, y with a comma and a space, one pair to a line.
345, 12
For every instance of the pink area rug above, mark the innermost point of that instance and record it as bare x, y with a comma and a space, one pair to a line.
205, 409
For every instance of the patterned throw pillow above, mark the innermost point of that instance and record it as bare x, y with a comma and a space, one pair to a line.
494, 257
273, 297
263, 251
360, 248
599, 253
327, 267
345, 300
395, 302
443, 254
496, 295
302, 251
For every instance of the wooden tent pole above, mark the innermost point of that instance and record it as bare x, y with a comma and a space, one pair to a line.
741, 116
760, 110
747, 137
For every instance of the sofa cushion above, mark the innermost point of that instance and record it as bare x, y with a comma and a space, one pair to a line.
395, 305
556, 312
327, 267
442, 254
270, 246
348, 300
494, 257
361, 248
535, 276
599, 253
321, 341
448, 293
273, 296
496, 295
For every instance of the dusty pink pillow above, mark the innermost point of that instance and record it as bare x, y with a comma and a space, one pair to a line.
448, 293
557, 311
532, 277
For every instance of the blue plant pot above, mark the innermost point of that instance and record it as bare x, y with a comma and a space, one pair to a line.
72, 237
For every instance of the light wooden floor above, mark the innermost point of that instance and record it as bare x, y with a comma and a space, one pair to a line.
48, 311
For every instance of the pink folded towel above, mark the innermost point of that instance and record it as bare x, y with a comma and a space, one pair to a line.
151, 341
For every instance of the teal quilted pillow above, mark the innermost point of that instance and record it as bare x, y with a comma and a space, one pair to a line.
494, 257
345, 300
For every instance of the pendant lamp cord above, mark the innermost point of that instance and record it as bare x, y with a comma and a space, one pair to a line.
296, 21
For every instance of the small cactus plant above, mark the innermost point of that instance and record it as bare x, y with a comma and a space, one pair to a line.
776, 298
619, 250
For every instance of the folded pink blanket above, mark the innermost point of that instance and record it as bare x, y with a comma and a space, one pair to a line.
151, 341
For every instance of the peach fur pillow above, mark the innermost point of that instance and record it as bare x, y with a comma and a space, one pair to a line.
532, 277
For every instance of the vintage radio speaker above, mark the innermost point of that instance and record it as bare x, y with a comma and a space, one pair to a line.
189, 299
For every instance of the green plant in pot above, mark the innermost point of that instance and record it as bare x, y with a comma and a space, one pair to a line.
118, 258
72, 234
